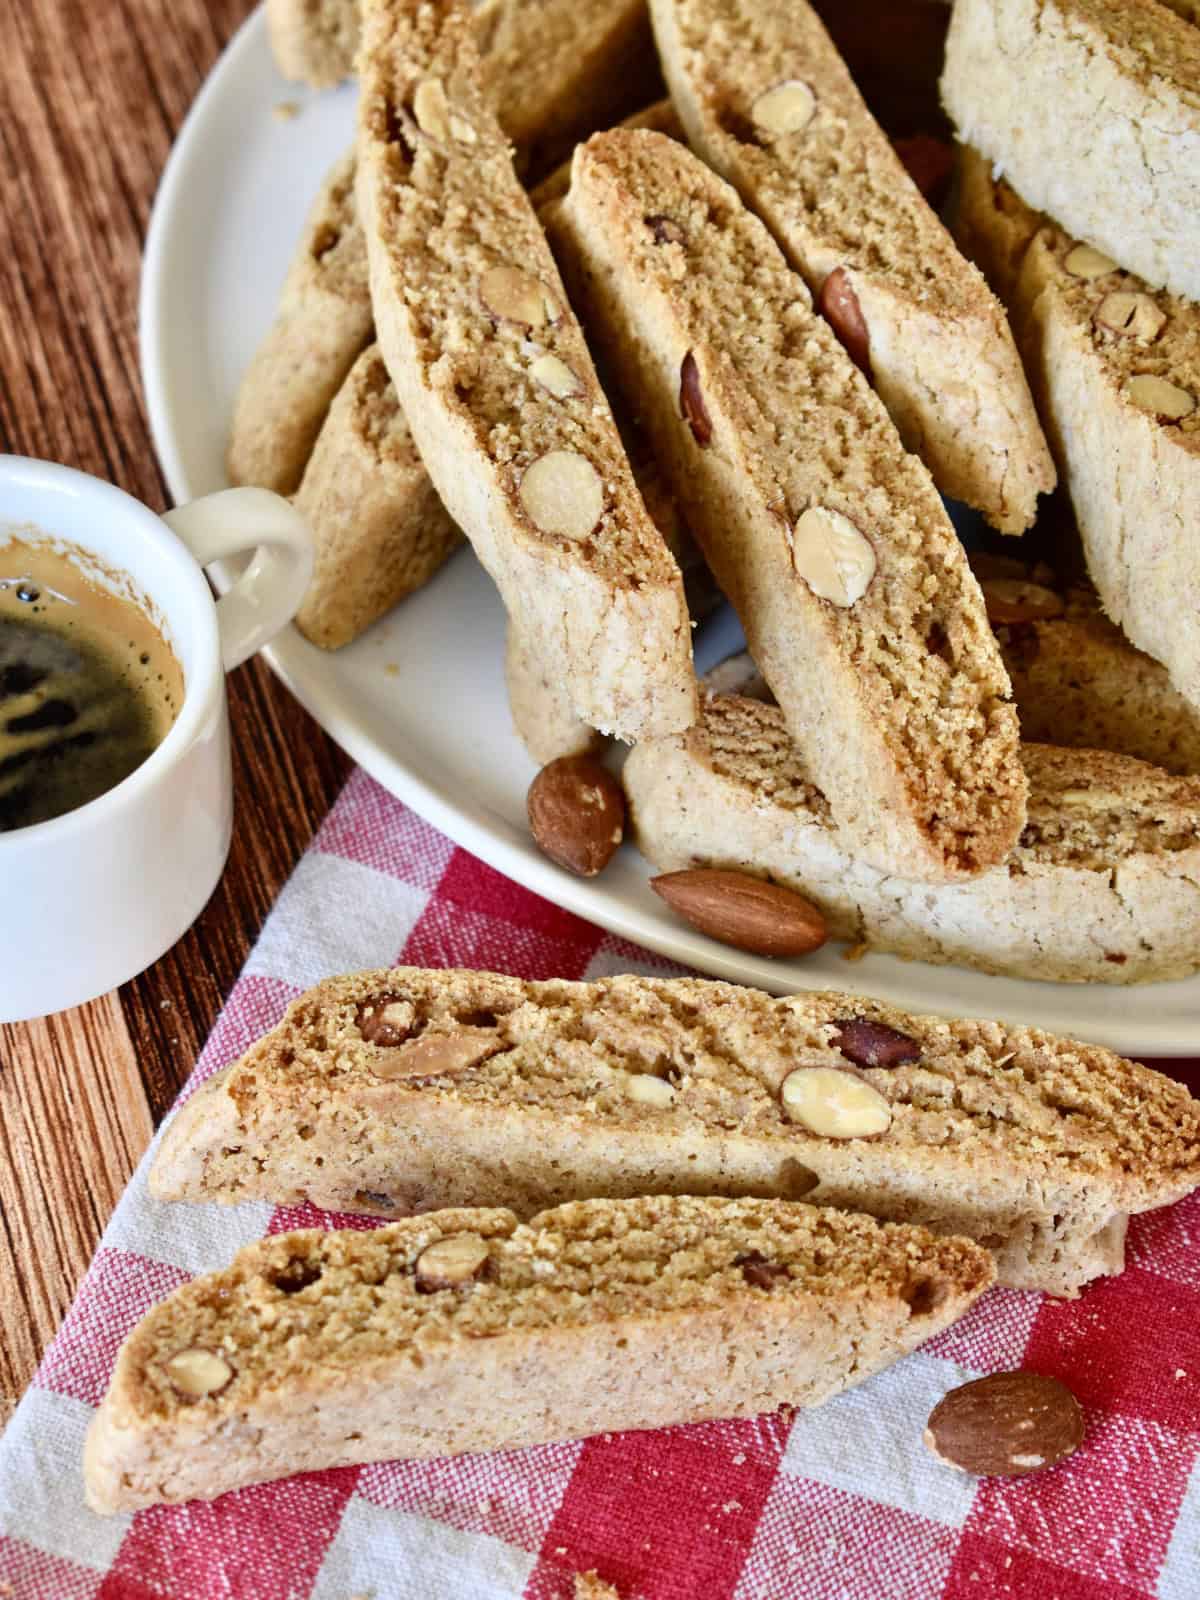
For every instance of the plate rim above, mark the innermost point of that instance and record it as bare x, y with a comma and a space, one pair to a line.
470, 824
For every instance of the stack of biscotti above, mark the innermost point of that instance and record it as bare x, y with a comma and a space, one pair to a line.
409, 1090
1103, 885
1116, 367
1091, 111
379, 529
469, 1330
827, 536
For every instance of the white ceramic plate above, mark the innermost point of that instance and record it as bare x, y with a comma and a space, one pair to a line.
420, 700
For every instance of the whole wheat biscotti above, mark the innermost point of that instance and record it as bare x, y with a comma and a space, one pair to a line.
1092, 110
467, 1330
402, 1091
767, 101
542, 714
1103, 887
1078, 681
661, 117
1115, 366
495, 378
554, 69
379, 528
323, 322
828, 538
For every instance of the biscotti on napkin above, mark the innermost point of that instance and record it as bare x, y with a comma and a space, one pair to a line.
379, 528
323, 322
496, 382
1103, 886
767, 101
408, 1090
467, 1330
1116, 368
1092, 110
828, 538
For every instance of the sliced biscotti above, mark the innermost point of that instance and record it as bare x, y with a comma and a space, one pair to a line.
829, 539
768, 102
557, 69
412, 1089
1116, 369
467, 1330
1104, 885
554, 69
1078, 681
323, 322
661, 117
542, 714
1092, 110
379, 528
497, 384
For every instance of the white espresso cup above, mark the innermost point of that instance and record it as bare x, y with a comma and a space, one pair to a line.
91, 897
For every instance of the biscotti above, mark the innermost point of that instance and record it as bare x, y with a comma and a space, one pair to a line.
313, 41
323, 322
401, 1091
1078, 681
467, 1331
379, 528
661, 117
542, 715
553, 69
550, 71
828, 538
769, 104
1116, 369
496, 382
1092, 110
1103, 887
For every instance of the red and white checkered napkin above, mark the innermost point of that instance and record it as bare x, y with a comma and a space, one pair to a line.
841, 1503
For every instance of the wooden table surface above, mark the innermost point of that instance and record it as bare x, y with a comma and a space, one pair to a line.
91, 98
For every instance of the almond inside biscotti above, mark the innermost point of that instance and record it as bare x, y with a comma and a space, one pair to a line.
307, 1301
926, 751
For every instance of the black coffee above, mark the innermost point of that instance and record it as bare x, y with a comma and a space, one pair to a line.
88, 686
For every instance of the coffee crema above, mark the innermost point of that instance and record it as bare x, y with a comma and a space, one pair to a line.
88, 685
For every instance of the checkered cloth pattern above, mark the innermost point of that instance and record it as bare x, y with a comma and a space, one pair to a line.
841, 1503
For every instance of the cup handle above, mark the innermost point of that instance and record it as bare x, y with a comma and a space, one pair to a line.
268, 594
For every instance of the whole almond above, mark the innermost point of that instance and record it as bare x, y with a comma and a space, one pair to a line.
1008, 1425
838, 304
576, 814
748, 913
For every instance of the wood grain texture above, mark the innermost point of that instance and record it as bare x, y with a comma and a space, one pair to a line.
92, 98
